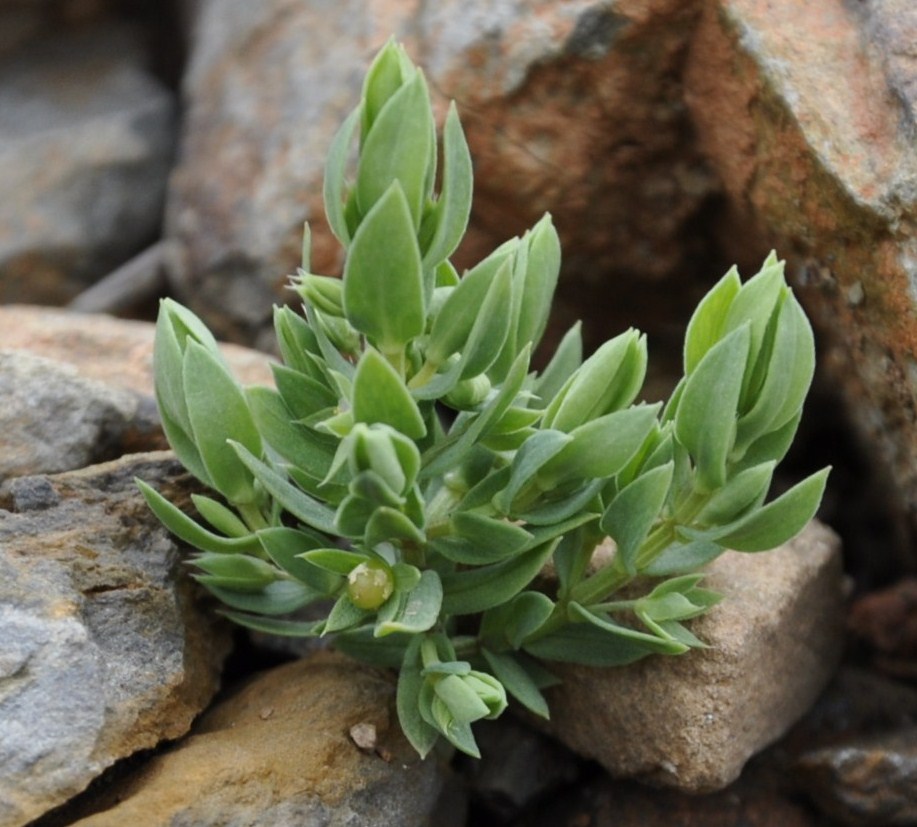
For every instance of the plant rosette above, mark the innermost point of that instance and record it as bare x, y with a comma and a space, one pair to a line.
411, 471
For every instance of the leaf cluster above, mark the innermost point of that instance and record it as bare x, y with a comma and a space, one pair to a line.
411, 472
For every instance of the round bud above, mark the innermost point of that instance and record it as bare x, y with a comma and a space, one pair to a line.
370, 584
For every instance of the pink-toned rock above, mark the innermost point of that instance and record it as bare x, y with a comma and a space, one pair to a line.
806, 113
117, 352
570, 107
692, 721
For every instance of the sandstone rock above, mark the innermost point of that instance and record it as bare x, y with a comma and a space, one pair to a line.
53, 420
117, 352
280, 752
806, 113
866, 781
104, 651
693, 721
569, 107
87, 139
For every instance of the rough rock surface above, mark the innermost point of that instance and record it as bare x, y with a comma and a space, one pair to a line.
280, 752
867, 781
806, 113
572, 107
104, 650
693, 721
86, 141
755, 800
117, 352
54, 420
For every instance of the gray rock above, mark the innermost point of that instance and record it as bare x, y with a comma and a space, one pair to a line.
54, 420
281, 752
693, 721
86, 141
571, 108
104, 651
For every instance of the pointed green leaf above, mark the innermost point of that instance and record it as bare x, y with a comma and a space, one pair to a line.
278, 598
419, 610
531, 457
286, 546
564, 363
312, 512
706, 326
705, 421
516, 679
541, 272
473, 591
454, 205
383, 288
398, 148
419, 733
219, 516
380, 395
602, 447
632, 513
187, 530
335, 165
218, 412
778, 521
275, 626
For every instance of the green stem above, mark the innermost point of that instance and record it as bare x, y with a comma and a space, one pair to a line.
423, 376
252, 516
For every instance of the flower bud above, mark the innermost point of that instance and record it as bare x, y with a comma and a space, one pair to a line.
370, 584
324, 293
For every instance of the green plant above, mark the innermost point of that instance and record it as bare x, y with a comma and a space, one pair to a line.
411, 470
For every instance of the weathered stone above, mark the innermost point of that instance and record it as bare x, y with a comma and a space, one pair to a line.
693, 721
865, 781
87, 139
280, 752
518, 766
757, 799
117, 352
806, 113
54, 420
573, 108
886, 621
104, 651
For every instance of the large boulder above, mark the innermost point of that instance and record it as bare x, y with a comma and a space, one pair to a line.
573, 108
86, 142
105, 650
806, 111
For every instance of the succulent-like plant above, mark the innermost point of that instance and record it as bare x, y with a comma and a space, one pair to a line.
414, 475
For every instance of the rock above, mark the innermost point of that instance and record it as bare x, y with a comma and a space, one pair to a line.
886, 621
54, 420
518, 767
573, 107
757, 799
104, 650
806, 113
693, 721
284, 750
853, 754
87, 140
117, 352
867, 781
